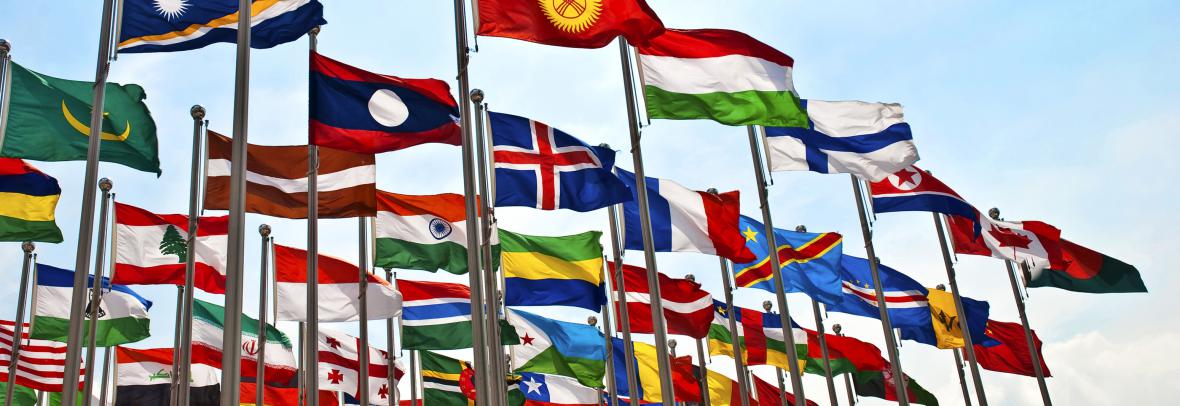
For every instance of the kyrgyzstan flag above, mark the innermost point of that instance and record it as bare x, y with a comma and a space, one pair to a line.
688, 309
339, 288
152, 249
569, 23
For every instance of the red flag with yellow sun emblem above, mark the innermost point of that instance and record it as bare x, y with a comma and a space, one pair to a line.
569, 23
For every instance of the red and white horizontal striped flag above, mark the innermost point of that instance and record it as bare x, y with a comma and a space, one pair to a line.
688, 309
339, 289
339, 368
41, 364
151, 249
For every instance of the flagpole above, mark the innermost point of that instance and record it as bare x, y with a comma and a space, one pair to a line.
608, 335
1034, 352
86, 224
174, 386
18, 328
302, 371
625, 326
312, 326
95, 305
701, 358
106, 375
823, 340
260, 372
649, 250
776, 270
886, 324
182, 359
739, 358
414, 378
389, 344
962, 378
487, 219
5, 86
363, 285
968, 344
847, 380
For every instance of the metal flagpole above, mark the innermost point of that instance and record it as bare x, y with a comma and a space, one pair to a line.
847, 380
776, 270
363, 284
649, 250
302, 371
18, 328
231, 354
739, 358
178, 327
701, 359
414, 378
86, 224
391, 352
312, 324
611, 380
962, 378
106, 375
5, 85
766, 306
823, 340
495, 350
625, 327
260, 373
182, 359
968, 344
1034, 352
95, 305
886, 325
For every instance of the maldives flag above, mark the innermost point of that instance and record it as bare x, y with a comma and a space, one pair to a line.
1032, 242
339, 289
569, 23
151, 249
688, 309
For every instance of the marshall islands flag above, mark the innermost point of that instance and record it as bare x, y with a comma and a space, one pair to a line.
122, 313
181, 25
28, 200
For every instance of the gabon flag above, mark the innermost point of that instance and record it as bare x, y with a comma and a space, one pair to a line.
569, 23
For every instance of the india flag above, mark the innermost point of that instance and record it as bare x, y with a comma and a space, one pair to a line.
720, 75
122, 315
422, 232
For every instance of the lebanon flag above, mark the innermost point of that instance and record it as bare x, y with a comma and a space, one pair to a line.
688, 309
569, 23
339, 288
339, 368
151, 249
144, 378
1030, 242
684, 220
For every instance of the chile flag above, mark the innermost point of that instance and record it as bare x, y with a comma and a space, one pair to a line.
368, 113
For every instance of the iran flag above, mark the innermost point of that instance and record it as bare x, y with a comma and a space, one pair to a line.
339, 368
339, 289
1034, 243
151, 249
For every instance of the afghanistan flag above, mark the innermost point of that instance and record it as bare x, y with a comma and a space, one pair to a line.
28, 201
49, 119
1088, 271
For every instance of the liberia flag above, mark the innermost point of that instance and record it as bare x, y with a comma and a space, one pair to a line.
684, 220
688, 309
151, 249
339, 368
339, 289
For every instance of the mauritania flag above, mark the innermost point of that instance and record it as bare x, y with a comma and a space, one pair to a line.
28, 201
437, 316
179, 25
553, 271
426, 233
440, 380
208, 340
122, 313
869, 140
719, 75
548, 346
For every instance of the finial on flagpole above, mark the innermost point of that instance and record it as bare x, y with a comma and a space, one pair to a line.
766, 305
197, 111
27, 246
5, 47
314, 31
712, 190
801, 228
593, 321
836, 328
994, 213
476, 96
264, 230
940, 287
672, 344
691, 277
105, 184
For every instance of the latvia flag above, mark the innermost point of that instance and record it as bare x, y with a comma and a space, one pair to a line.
339, 288
688, 309
151, 249
144, 378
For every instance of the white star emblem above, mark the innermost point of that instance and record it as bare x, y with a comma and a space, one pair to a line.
534, 386
171, 9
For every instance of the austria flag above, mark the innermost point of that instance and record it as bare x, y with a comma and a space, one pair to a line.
367, 113
151, 249
684, 220
339, 288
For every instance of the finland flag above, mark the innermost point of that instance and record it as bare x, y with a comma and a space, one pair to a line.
869, 140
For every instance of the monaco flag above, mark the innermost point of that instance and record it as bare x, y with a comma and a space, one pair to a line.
151, 249
1031, 242
339, 368
688, 309
339, 289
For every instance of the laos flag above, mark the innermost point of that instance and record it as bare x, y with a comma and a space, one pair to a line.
912, 189
368, 113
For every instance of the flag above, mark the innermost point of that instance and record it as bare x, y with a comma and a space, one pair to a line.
273, 395
339, 368
1029, 242
1012, 355
760, 337
49, 119
440, 380
437, 316
28, 202
913, 189
553, 271
542, 167
686, 388
122, 313
688, 309
364, 112
869, 140
879, 384
723, 391
208, 326
575, 24
276, 178
846, 354
552, 390
339, 289
1088, 271
720, 75
720, 338
684, 220
167, 26
21, 395
145, 378
548, 346
944, 331
151, 249
768, 395
426, 233
810, 261
42, 363
905, 298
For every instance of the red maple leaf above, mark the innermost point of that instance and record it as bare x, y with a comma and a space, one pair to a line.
334, 343
335, 376
1008, 238
526, 340
383, 392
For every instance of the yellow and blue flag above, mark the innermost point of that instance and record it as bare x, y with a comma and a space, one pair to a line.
552, 271
944, 331
28, 200
810, 261
181, 25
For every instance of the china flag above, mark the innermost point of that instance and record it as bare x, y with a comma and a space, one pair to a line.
569, 23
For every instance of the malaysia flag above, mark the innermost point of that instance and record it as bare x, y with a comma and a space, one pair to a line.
913, 189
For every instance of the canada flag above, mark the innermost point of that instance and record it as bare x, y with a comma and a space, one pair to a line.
1034, 243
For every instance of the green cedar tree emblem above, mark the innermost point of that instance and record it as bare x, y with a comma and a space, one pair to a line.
174, 244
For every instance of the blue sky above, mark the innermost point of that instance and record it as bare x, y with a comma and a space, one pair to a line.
1057, 111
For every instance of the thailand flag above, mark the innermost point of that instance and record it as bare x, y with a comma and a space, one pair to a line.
542, 167
869, 140
912, 189
545, 390
905, 298
368, 113
684, 220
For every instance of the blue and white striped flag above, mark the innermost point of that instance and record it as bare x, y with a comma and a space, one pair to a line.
869, 140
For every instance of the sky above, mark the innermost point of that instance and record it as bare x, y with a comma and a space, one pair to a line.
1056, 111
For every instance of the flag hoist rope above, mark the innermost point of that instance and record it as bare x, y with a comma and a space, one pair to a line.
1034, 352
968, 344
487, 218
182, 360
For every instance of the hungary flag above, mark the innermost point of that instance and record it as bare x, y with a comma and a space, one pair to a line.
422, 232
122, 313
554, 347
1088, 271
719, 75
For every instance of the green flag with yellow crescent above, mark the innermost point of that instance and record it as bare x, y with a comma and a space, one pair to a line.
49, 120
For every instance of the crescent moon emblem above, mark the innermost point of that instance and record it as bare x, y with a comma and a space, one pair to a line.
85, 130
